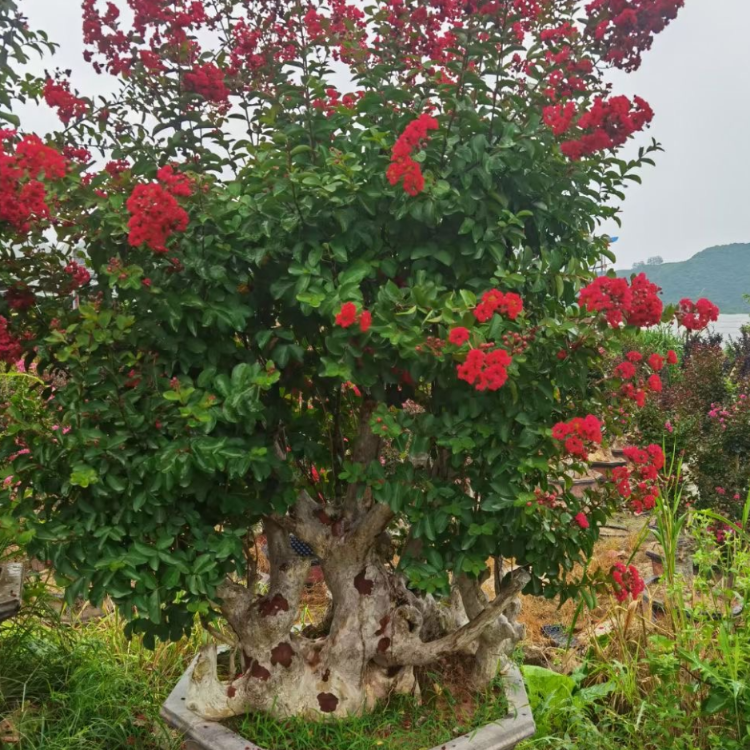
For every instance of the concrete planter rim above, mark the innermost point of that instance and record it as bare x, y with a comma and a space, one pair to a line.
503, 734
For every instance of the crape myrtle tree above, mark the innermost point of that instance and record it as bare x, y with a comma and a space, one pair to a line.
324, 269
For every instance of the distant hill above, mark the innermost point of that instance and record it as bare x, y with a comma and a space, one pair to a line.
720, 273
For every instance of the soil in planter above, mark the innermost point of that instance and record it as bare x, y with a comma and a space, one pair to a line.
447, 710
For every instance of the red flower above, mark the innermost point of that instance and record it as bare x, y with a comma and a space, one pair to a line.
637, 304
559, 117
10, 346
485, 371
646, 307
582, 520
116, 167
627, 580
695, 316
608, 124
77, 154
176, 183
577, 432
611, 296
625, 370
458, 336
656, 362
57, 95
347, 315
634, 356
671, 357
654, 383
20, 298
639, 485
23, 198
402, 165
575, 447
509, 304
365, 321
208, 81
79, 275
155, 216
353, 388
626, 29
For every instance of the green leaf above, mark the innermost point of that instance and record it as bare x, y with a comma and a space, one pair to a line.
83, 475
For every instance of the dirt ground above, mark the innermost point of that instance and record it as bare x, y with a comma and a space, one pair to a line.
615, 545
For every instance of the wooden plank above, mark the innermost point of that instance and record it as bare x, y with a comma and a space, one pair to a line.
11, 581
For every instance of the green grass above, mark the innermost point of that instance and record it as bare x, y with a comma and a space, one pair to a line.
400, 724
84, 688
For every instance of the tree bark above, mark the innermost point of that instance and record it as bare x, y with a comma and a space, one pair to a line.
379, 630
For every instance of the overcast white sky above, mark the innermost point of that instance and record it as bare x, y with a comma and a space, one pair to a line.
697, 79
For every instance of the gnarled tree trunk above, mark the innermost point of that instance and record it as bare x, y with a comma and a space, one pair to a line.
379, 630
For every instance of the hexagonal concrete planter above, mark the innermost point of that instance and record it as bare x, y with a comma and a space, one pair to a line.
503, 734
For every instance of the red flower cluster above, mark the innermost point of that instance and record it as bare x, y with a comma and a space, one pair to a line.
162, 25
10, 346
608, 124
654, 383
176, 183
695, 316
509, 304
582, 520
23, 198
626, 28
57, 94
485, 371
636, 304
334, 100
402, 165
656, 362
559, 33
646, 307
559, 117
347, 317
79, 275
208, 81
627, 581
77, 154
627, 370
155, 216
639, 484
567, 78
610, 296
577, 433
116, 167
458, 336
20, 298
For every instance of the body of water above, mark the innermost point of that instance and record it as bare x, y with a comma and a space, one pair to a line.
729, 325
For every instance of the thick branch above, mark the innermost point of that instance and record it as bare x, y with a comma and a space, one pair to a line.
409, 649
366, 449
305, 523
374, 523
